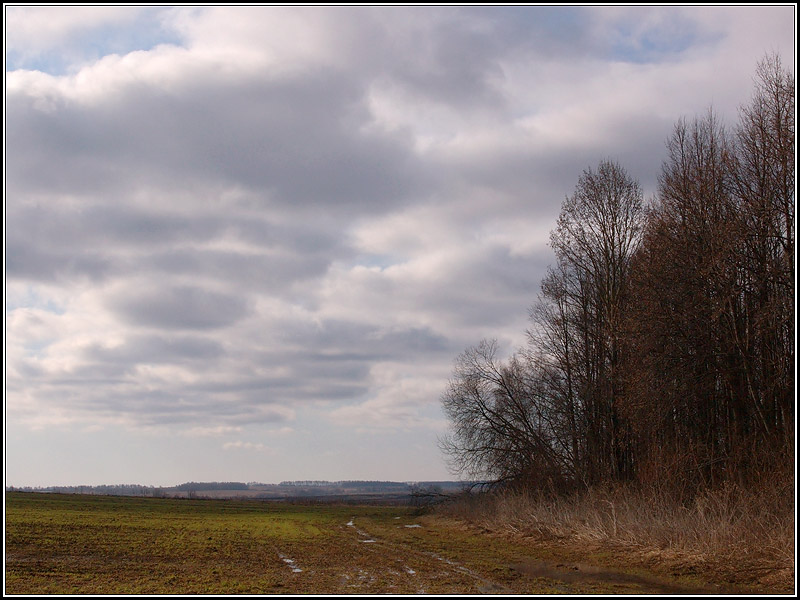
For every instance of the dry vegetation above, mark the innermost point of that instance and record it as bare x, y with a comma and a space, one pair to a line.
727, 536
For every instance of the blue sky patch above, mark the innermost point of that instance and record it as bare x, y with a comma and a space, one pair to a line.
657, 44
89, 44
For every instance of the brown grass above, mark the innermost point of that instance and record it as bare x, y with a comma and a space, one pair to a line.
729, 534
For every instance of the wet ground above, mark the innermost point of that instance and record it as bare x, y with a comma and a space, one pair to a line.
74, 544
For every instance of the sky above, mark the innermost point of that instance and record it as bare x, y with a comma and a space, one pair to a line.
248, 243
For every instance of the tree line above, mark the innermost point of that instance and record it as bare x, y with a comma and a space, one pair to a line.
661, 345
127, 489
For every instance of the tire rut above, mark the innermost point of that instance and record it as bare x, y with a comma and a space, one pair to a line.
427, 558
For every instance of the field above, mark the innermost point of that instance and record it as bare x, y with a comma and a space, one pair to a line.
80, 544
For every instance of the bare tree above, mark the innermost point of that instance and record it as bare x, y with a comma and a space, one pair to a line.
763, 180
684, 282
711, 323
579, 316
500, 429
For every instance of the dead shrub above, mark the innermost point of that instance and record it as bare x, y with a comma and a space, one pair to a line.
730, 525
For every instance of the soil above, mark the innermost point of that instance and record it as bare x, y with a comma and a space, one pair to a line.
96, 545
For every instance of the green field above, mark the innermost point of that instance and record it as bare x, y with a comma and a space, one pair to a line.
80, 544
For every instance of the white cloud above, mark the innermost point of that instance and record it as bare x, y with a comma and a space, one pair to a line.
240, 222
239, 445
400, 399
211, 431
38, 28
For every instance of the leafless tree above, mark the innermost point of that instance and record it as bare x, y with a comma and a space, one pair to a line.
712, 317
500, 429
763, 180
578, 319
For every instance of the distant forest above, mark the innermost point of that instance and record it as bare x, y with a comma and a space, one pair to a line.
661, 346
287, 489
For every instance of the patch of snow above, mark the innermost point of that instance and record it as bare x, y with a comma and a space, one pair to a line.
414, 525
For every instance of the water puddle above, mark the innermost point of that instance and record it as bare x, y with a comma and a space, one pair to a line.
290, 562
580, 572
363, 534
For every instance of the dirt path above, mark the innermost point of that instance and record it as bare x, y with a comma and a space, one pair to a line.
355, 560
422, 556
418, 566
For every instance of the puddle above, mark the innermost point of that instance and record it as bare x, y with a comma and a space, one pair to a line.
580, 572
488, 587
363, 534
290, 562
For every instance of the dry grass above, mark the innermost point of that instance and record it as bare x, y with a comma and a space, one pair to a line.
733, 534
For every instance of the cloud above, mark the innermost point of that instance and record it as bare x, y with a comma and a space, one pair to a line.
59, 39
256, 446
35, 28
226, 222
160, 349
297, 142
180, 307
214, 431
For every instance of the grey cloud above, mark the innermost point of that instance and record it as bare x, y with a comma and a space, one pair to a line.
120, 225
48, 237
298, 141
347, 350
319, 236
492, 291
157, 349
179, 307
342, 340
56, 242
99, 374
449, 62
536, 178
414, 341
272, 273
184, 406
108, 389
485, 290
247, 396
62, 149
27, 261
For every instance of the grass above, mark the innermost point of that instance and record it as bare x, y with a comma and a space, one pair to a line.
91, 544
730, 535
74, 544
69, 544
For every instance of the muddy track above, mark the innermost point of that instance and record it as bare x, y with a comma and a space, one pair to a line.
416, 564
354, 560
367, 557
